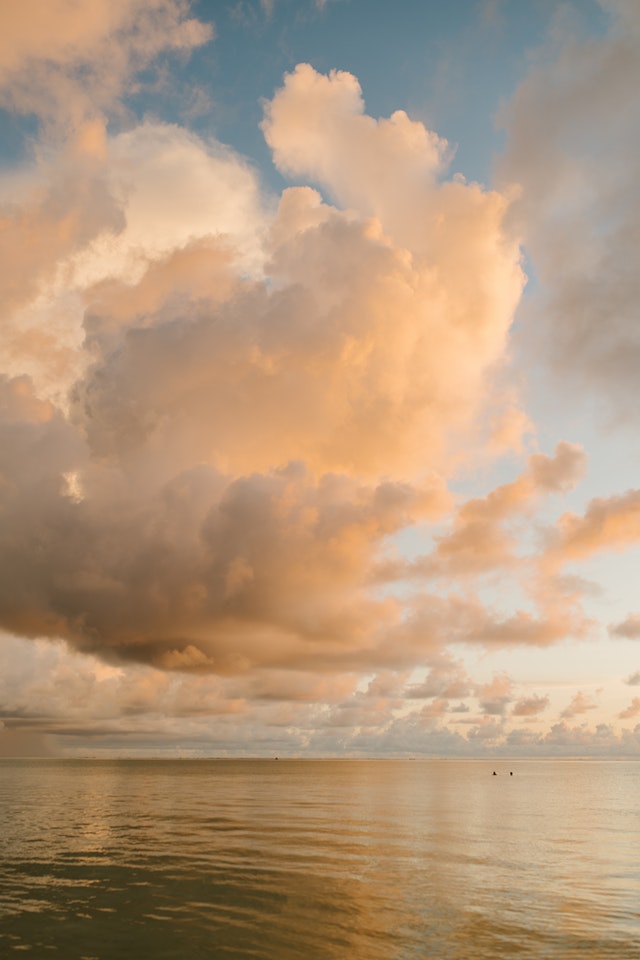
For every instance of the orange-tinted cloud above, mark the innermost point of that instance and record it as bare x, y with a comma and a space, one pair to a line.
446, 679
479, 540
633, 710
530, 706
496, 696
259, 404
65, 61
484, 534
95, 243
317, 129
611, 523
56, 700
222, 412
580, 703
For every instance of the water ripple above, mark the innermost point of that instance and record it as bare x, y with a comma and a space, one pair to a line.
365, 860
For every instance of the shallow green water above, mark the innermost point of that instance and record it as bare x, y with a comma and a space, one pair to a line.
370, 860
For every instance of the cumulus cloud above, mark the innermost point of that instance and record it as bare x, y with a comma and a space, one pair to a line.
173, 188
260, 401
483, 534
480, 540
57, 701
580, 703
154, 218
446, 679
496, 696
52, 699
483, 543
609, 523
221, 411
565, 741
530, 706
633, 710
317, 128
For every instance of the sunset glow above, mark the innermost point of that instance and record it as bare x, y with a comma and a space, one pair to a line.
318, 397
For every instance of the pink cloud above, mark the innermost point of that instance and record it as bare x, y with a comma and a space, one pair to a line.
611, 523
495, 697
633, 710
65, 61
236, 453
530, 706
580, 703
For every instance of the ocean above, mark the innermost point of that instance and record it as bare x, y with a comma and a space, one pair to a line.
316, 860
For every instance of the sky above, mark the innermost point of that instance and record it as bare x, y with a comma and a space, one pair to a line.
319, 379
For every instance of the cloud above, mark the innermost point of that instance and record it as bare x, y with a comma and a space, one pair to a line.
66, 61
573, 132
483, 534
633, 710
55, 701
392, 169
629, 628
329, 379
174, 188
446, 679
565, 741
634, 679
261, 398
482, 544
496, 696
316, 127
479, 540
609, 523
224, 414
436, 620
486, 732
530, 706
580, 703
149, 579
157, 215
509, 427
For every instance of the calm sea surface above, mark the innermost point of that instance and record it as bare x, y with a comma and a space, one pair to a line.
370, 860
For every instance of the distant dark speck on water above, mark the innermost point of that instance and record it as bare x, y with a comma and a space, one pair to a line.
495, 774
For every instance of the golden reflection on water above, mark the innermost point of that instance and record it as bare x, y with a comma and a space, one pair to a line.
371, 860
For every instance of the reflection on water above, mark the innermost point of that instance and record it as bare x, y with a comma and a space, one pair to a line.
319, 859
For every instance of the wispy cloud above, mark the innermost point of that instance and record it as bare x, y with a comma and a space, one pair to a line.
572, 131
629, 628
68, 62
